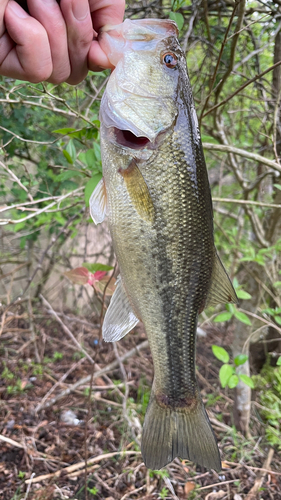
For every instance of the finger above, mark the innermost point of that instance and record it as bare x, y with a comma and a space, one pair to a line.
103, 12
30, 59
3, 5
80, 35
106, 12
49, 15
97, 58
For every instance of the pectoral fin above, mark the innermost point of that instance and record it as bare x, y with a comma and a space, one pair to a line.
98, 202
138, 191
221, 290
119, 318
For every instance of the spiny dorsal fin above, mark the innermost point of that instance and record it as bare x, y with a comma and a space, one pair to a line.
98, 202
221, 290
119, 318
138, 191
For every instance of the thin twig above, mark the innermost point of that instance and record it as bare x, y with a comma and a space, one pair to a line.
4, 222
259, 480
246, 202
99, 373
260, 75
66, 329
218, 63
78, 466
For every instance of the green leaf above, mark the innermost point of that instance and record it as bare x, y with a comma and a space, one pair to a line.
67, 156
233, 381
242, 317
230, 308
225, 316
19, 226
235, 283
90, 157
277, 284
278, 363
247, 380
226, 372
71, 149
220, 353
241, 294
277, 186
240, 359
90, 186
93, 268
178, 18
278, 319
97, 151
63, 131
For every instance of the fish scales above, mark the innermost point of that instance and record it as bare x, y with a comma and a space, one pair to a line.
160, 216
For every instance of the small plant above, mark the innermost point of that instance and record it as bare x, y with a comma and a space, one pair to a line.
16, 388
228, 375
159, 473
7, 374
163, 493
57, 356
93, 490
21, 474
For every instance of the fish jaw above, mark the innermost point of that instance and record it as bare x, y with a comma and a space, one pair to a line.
141, 92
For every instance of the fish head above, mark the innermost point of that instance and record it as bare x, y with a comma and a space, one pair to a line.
139, 106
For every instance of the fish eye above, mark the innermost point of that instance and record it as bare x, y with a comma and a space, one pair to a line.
170, 60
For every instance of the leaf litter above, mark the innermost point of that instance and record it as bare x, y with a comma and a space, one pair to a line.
43, 453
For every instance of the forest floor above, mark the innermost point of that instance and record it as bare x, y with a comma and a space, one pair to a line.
46, 434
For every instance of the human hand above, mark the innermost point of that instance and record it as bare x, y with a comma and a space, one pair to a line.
54, 42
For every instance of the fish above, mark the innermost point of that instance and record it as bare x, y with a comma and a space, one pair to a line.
156, 196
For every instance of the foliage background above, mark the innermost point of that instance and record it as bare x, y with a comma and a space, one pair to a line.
49, 164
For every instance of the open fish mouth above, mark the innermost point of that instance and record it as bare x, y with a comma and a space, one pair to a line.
125, 138
128, 139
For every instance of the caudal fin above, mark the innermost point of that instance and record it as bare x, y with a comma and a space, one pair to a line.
184, 433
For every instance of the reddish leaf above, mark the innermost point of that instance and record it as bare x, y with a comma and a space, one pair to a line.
97, 276
78, 276
100, 285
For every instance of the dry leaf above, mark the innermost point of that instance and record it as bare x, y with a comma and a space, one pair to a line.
224, 465
188, 487
216, 495
237, 497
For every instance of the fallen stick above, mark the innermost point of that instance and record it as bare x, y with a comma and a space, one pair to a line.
75, 467
11, 441
87, 379
253, 493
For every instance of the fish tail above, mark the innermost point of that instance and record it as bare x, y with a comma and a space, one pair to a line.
183, 432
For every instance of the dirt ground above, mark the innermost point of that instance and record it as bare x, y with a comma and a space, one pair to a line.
49, 426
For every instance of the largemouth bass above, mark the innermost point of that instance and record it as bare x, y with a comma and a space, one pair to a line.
156, 194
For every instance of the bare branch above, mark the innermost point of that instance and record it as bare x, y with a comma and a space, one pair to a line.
241, 152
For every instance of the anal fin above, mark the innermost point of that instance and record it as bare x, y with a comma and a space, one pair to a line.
98, 202
221, 291
119, 318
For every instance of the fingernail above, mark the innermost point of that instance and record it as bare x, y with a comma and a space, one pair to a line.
80, 9
17, 10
